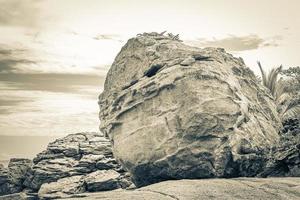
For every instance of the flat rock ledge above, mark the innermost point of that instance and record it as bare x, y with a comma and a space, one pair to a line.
231, 189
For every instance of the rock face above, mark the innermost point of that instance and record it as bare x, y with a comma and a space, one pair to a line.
207, 189
62, 188
174, 111
67, 161
102, 180
12, 177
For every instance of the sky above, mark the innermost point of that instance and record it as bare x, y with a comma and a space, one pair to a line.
54, 54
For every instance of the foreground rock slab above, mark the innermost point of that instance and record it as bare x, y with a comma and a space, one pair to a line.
61, 188
231, 189
174, 111
102, 180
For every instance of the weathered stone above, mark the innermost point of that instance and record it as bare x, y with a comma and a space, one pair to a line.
209, 118
12, 177
207, 189
61, 188
188, 61
102, 180
75, 154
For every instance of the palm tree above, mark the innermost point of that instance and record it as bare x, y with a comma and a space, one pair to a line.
287, 107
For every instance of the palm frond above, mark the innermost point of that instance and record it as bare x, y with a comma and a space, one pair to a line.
287, 107
292, 112
281, 88
283, 99
263, 74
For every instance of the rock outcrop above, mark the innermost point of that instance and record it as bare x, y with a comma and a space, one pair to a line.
12, 177
174, 111
207, 189
102, 180
77, 163
74, 155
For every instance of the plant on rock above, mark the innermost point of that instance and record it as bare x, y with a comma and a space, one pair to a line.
287, 106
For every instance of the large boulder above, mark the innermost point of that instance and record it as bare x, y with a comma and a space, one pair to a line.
74, 155
174, 111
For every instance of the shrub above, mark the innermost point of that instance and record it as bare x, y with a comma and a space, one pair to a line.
287, 106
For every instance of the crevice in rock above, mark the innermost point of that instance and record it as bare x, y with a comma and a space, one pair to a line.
130, 84
202, 58
153, 70
162, 193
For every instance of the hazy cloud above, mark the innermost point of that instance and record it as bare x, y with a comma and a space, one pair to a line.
240, 43
19, 12
107, 37
8, 65
68, 83
5, 52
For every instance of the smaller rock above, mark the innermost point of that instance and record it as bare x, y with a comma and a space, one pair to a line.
108, 163
73, 155
17, 168
12, 177
62, 188
102, 180
188, 61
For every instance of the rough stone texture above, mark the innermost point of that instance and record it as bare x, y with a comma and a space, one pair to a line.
174, 111
12, 177
102, 180
74, 155
285, 156
225, 189
62, 188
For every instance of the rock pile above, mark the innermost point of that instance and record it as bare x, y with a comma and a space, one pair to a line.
174, 111
77, 163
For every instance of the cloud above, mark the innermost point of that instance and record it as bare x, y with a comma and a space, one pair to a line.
5, 51
108, 37
19, 12
9, 65
48, 113
48, 104
239, 43
66, 83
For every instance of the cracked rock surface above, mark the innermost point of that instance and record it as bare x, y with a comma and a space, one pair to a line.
12, 177
66, 164
174, 111
206, 189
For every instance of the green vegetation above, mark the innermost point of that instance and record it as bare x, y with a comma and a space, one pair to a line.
288, 106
